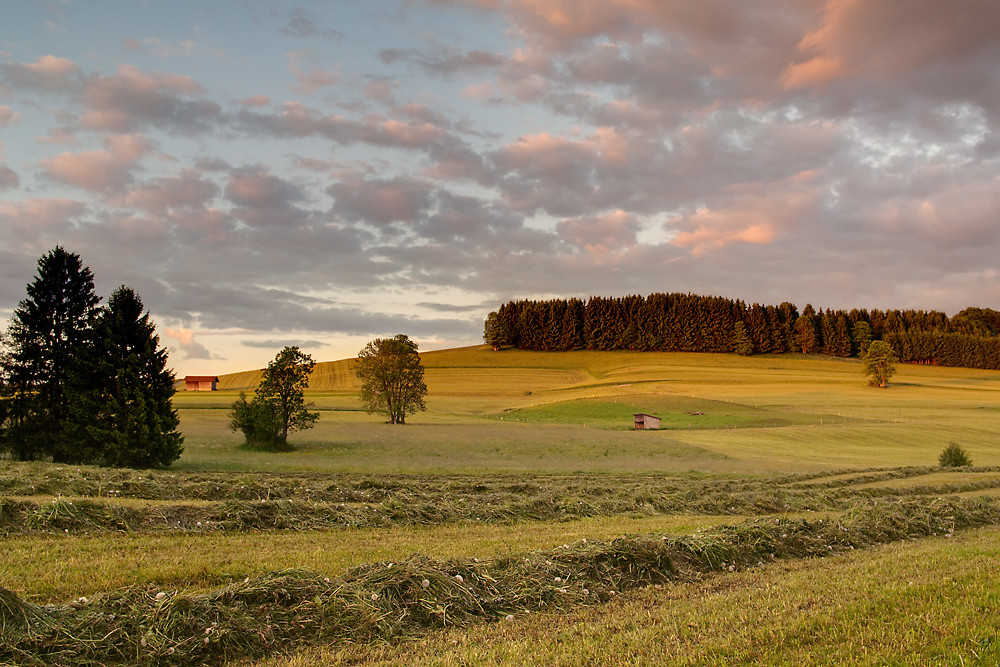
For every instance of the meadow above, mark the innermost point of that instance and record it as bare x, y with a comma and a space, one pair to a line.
783, 506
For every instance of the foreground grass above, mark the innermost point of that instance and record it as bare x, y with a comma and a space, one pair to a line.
385, 601
54, 568
934, 601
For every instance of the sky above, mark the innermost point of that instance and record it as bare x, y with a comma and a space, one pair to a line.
321, 173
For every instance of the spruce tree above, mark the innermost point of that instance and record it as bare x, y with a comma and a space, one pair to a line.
120, 389
48, 329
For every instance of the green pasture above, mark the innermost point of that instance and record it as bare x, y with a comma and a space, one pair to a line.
513, 411
522, 452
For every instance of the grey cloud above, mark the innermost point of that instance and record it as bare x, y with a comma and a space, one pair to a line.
302, 22
447, 62
283, 343
381, 200
453, 308
8, 178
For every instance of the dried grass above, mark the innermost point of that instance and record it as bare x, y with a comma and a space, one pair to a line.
384, 601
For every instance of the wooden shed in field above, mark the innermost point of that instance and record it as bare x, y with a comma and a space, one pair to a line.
644, 422
201, 383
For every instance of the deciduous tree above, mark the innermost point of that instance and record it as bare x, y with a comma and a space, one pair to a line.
392, 378
879, 363
279, 406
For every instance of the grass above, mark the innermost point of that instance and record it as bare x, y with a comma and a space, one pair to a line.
523, 452
390, 600
572, 412
931, 602
53, 568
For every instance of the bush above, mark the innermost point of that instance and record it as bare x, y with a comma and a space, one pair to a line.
258, 421
954, 456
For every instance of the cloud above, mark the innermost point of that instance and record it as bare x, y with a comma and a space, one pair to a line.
283, 343
256, 101
756, 213
302, 22
129, 99
311, 80
48, 73
601, 235
882, 38
187, 190
445, 61
32, 224
9, 179
380, 200
297, 120
7, 116
103, 171
189, 347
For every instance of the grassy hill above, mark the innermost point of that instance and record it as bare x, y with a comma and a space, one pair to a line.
825, 533
572, 411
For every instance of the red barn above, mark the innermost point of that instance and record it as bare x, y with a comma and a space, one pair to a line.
201, 383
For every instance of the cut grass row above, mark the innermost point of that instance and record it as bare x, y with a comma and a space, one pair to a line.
930, 602
57, 568
385, 601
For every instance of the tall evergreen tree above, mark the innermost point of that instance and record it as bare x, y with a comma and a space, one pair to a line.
119, 392
48, 329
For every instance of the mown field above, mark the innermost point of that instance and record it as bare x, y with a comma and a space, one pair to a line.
787, 513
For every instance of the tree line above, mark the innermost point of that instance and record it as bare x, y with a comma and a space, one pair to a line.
84, 383
691, 323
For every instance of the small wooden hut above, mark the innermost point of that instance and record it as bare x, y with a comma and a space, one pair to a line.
644, 422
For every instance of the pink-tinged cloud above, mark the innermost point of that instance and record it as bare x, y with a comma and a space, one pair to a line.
58, 135
544, 155
311, 80
312, 164
298, 120
26, 222
8, 116
257, 187
47, 73
956, 216
479, 91
185, 191
190, 347
102, 171
382, 90
884, 38
753, 213
256, 101
9, 179
601, 235
381, 201
131, 97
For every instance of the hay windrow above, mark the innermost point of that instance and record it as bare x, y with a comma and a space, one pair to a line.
382, 601
90, 499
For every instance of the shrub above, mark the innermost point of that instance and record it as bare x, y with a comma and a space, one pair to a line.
954, 456
258, 421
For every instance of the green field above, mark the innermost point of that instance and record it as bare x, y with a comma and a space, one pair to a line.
520, 453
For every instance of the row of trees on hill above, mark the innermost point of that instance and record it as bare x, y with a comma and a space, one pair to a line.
82, 383
692, 323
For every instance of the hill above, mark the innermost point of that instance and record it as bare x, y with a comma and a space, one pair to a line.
720, 412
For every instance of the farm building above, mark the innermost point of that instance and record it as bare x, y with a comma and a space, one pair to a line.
201, 383
645, 422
